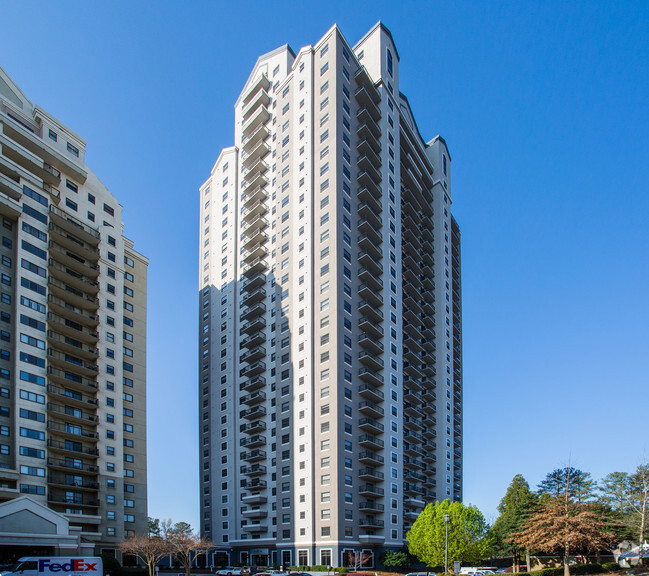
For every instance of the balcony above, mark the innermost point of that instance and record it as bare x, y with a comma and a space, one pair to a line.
72, 481
255, 484
253, 311
253, 427
365, 180
413, 437
72, 464
370, 393
253, 413
368, 310
370, 293
371, 474
253, 282
252, 370
370, 376
254, 296
72, 397
413, 424
254, 470
72, 448
370, 458
371, 360
254, 267
370, 99
253, 399
70, 379
254, 161
370, 326
253, 442
65, 361
370, 409
370, 441
72, 346
255, 252
254, 226
257, 118
371, 133
370, 426
371, 197
255, 499
255, 528
369, 490
370, 259
254, 325
71, 430
253, 384
72, 295
253, 340
372, 277
73, 415
71, 260
368, 213
371, 507
369, 148
78, 315
365, 117
254, 456
414, 411
260, 98
72, 278
365, 164
371, 523
255, 513
73, 226
68, 500
370, 343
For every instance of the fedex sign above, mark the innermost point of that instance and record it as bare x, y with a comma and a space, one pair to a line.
51, 565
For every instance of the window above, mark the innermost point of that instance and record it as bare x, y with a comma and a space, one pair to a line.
73, 150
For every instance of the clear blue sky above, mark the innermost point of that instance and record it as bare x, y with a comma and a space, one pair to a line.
545, 107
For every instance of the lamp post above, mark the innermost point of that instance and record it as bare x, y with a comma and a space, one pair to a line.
447, 519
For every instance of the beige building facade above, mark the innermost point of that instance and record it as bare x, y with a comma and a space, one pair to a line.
72, 337
330, 355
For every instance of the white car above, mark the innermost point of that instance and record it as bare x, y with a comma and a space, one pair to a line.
229, 572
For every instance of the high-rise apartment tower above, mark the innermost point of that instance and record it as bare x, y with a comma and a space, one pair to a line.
330, 392
72, 345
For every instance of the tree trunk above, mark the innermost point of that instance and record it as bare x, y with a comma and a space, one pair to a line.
566, 562
643, 521
528, 560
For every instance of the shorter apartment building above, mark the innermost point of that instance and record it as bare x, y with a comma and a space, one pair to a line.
72, 344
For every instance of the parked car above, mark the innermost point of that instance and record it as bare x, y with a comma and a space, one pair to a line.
231, 571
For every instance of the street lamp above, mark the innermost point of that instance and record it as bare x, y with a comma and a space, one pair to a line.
447, 519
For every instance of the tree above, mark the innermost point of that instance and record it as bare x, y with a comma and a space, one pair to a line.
515, 507
467, 534
638, 500
149, 549
153, 526
614, 489
579, 485
564, 526
355, 559
185, 545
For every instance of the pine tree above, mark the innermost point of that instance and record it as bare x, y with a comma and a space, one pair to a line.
514, 508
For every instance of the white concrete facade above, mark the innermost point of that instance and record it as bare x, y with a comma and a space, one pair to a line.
330, 314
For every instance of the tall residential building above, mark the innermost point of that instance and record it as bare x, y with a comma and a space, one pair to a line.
72, 345
330, 357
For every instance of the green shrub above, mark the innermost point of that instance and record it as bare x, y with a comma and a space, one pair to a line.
342, 570
586, 569
318, 568
611, 567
